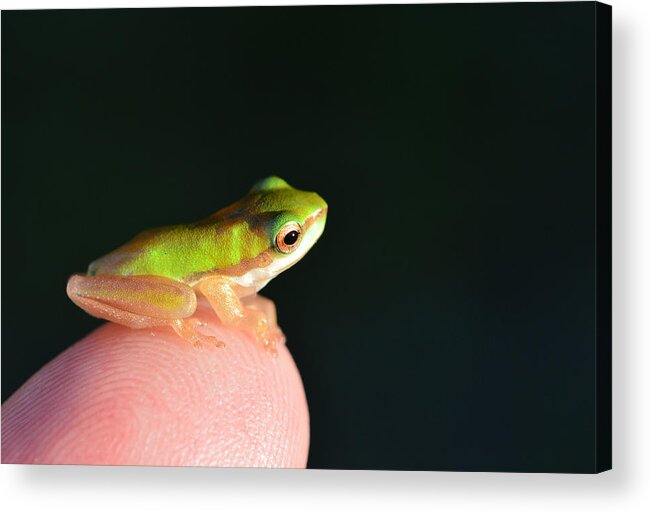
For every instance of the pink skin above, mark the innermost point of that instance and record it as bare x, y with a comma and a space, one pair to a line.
146, 397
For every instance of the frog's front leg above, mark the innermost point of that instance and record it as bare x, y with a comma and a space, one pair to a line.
266, 306
256, 315
139, 302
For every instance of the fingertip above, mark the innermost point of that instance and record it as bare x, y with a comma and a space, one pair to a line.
147, 397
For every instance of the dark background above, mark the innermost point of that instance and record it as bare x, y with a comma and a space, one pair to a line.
446, 319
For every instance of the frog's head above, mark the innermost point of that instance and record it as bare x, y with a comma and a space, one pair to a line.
292, 220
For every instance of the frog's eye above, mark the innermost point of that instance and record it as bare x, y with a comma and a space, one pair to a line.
288, 237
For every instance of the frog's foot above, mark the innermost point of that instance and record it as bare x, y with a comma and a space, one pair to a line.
189, 329
255, 323
255, 315
271, 336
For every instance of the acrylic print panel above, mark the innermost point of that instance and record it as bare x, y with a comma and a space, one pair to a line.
452, 312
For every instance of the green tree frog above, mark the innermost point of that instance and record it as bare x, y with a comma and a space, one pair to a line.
154, 279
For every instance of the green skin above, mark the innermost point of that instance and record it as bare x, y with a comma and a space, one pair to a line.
151, 280
231, 237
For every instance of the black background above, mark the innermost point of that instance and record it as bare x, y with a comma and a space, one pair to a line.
446, 319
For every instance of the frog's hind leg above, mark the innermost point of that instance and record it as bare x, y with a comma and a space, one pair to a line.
139, 302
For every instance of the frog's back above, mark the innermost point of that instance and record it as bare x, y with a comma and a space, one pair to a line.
180, 252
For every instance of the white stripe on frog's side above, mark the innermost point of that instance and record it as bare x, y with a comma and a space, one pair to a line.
260, 276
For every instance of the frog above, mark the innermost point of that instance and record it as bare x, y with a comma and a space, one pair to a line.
157, 278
